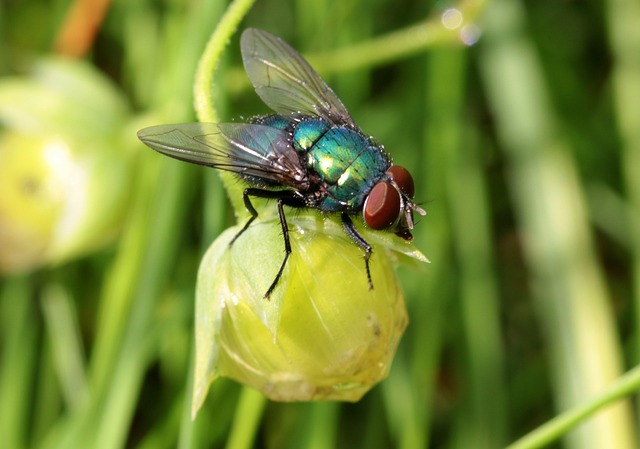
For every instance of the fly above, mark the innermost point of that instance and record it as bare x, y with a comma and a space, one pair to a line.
309, 154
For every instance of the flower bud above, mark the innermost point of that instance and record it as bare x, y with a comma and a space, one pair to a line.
64, 174
322, 335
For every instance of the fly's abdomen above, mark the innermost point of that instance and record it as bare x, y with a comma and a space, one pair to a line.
349, 166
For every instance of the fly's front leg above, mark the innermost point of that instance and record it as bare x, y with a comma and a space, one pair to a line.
352, 232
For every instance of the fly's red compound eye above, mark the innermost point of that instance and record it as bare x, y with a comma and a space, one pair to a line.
382, 208
403, 179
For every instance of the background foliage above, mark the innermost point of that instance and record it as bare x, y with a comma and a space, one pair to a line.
526, 151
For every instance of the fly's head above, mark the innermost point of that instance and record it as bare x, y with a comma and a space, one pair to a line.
389, 206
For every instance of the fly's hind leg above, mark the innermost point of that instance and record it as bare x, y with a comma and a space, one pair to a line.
352, 232
252, 210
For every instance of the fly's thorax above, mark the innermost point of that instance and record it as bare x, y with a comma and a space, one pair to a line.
274, 120
347, 164
308, 132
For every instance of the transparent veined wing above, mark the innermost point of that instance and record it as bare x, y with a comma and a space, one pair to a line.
285, 81
245, 149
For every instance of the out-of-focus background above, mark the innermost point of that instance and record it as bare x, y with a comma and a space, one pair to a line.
520, 122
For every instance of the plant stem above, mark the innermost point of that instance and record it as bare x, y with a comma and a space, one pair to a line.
203, 88
247, 419
561, 424
203, 95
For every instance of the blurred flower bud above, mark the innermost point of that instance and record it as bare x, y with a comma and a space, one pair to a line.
64, 171
323, 335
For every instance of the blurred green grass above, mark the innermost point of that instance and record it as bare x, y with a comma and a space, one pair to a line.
525, 150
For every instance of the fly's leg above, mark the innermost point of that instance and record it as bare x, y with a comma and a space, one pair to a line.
352, 232
285, 198
287, 248
258, 193
252, 210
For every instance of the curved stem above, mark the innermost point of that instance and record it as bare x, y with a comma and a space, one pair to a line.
561, 424
203, 97
203, 88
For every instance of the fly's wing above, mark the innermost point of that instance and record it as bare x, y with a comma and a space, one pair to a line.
285, 81
245, 149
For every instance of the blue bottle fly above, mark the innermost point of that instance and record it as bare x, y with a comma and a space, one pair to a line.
309, 154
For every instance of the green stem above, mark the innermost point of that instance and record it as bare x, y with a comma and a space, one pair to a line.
203, 88
247, 419
402, 43
381, 50
324, 418
561, 424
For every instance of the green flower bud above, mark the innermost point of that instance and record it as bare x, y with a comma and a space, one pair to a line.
323, 335
64, 174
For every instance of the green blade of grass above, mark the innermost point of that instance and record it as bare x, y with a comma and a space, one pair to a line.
483, 422
570, 295
64, 336
18, 335
624, 40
